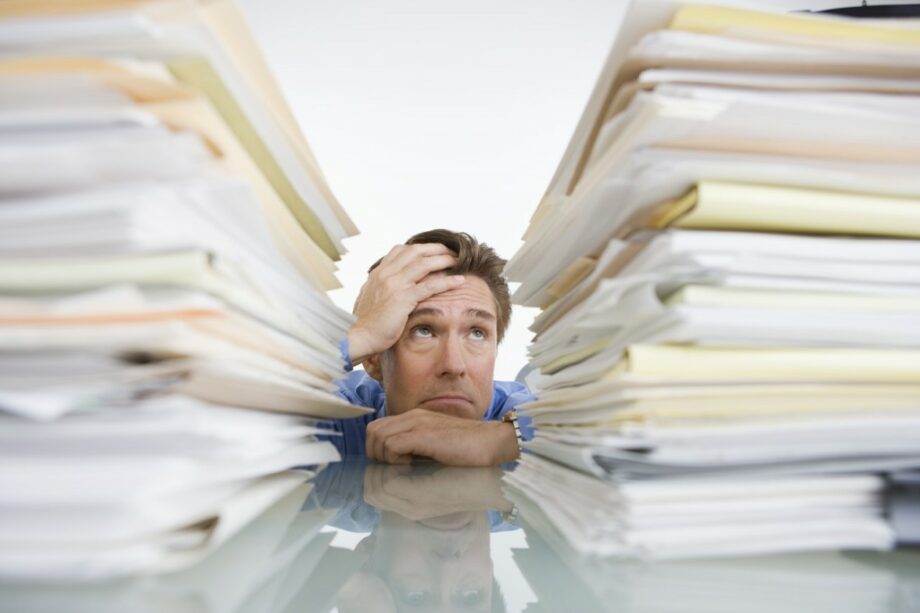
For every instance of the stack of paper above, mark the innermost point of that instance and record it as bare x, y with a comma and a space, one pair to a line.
727, 262
271, 564
166, 242
857, 582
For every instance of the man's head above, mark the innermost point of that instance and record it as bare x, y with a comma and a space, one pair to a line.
473, 259
445, 359
439, 564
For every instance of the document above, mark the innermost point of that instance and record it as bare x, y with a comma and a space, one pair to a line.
726, 265
167, 348
722, 206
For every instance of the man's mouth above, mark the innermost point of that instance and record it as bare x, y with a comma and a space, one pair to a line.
449, 398
449, 404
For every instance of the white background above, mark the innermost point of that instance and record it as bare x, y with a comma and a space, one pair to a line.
427, 114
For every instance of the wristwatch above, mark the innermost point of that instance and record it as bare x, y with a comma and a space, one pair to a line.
511, 417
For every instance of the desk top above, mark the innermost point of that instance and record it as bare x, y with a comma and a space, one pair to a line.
431, 538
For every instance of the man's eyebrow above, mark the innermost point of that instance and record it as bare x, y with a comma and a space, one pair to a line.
425, 311
475, 313
480, 314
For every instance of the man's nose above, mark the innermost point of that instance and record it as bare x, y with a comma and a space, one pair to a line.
452, 361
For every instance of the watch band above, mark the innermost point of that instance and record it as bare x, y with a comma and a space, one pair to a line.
511, 417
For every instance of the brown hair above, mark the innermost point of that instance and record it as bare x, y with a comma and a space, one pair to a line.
474, 258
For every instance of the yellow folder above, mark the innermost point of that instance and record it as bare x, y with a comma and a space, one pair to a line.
718, 205
784, 364
749, 23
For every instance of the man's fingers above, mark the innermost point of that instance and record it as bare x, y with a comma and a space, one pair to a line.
409, 253
391, 255
435, 284
397, 449
422, 267
380, 429
371, 439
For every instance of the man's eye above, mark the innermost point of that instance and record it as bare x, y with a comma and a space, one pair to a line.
470, 597
421, 331
478, 334
416, 597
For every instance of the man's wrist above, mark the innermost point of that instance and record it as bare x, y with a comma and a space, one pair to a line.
507, 449
359, 347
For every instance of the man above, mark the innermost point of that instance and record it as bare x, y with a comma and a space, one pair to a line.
429, 320
429, 550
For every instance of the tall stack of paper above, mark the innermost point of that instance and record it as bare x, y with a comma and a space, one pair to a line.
166, 241
727, 262
266, 566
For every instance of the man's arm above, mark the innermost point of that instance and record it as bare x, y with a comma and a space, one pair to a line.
444, 438
425, 491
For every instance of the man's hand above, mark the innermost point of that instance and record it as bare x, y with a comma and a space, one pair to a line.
423, 492
391, 293
444, 438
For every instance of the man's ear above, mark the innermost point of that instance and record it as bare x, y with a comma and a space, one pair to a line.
372, 367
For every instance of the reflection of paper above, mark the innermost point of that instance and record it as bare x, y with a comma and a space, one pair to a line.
701, 518
171, 551
862, 583
257, 568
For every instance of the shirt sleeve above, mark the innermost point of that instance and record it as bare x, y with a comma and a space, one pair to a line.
515, 394
346, 355
360, 389
340, 486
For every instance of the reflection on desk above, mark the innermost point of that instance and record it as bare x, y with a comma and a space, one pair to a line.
828, 581
420, 538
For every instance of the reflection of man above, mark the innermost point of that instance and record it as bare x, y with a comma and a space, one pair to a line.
440, 564
361, 490
429, 550
429, 320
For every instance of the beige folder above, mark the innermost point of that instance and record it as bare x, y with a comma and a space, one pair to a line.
775, 208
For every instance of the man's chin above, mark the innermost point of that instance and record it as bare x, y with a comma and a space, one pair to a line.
453, 407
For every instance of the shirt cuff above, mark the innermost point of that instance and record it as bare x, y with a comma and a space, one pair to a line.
346, 356
525, 422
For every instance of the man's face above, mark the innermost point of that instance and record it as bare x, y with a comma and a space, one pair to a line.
445, 359
442, 564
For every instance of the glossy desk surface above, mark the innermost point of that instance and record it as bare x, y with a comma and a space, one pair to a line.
430, 538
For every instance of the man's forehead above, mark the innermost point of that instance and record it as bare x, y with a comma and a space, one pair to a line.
474, 294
